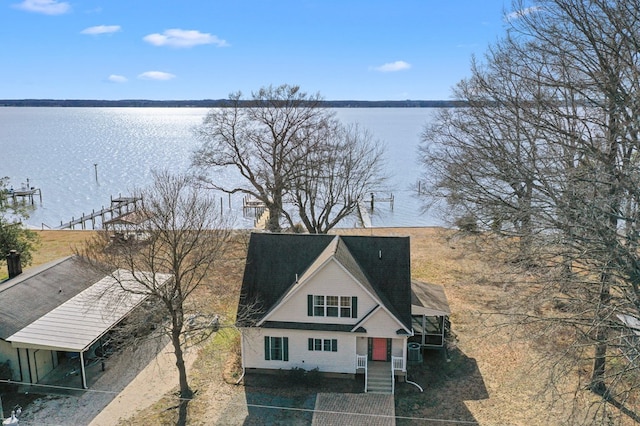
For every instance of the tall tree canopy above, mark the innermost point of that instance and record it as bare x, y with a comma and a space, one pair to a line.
283, 146
547, 151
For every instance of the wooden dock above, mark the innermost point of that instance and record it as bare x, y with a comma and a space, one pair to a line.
26, 193
119, 206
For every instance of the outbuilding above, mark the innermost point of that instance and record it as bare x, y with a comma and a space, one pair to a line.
64, 307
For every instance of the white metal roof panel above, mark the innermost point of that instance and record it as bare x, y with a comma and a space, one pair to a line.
79, 322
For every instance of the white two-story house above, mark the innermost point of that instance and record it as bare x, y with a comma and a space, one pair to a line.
341, 304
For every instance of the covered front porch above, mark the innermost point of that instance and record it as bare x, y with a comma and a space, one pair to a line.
381, 360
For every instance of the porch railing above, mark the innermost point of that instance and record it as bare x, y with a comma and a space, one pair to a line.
361, 362
397, 363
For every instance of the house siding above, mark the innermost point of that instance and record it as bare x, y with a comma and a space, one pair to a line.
381, 324
331, 280
9, 353
341, 361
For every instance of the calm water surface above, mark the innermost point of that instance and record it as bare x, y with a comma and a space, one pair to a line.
59, 151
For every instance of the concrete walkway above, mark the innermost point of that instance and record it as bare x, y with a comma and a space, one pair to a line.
354, 409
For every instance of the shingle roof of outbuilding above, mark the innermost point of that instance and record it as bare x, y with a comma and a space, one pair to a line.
274, 261
29, 296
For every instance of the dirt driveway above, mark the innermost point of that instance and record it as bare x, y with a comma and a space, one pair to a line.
133, 380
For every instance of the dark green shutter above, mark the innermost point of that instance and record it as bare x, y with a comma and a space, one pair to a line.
334, 345
267, 348
310, 305
388, 350
370, 349
310, 344
354, 307
285, 349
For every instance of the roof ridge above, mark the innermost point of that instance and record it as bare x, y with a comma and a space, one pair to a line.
12, 282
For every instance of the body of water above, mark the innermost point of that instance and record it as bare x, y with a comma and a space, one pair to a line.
80, 157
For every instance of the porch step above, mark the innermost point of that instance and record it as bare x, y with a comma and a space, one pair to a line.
380, 378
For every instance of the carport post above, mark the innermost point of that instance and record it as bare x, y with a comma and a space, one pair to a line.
82, 372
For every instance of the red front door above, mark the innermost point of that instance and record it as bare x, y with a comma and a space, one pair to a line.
379, 352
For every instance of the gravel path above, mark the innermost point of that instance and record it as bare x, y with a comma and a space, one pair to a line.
133, 380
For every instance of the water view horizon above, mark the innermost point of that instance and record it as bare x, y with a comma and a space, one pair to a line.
81, 157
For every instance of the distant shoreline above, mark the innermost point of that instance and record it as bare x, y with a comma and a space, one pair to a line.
216, 103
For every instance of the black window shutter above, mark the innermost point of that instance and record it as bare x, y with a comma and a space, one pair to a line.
285, 349
354, 307
267, 348
334, 345
310, 305
310, 344
388, 350
370, 349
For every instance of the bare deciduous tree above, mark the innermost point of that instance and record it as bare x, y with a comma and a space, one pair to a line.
549, 148
265, 142
181, 234
284, 145
335, 179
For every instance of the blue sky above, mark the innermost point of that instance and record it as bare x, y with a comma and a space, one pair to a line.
206, 49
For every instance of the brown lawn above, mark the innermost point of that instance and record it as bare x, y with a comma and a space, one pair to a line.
494, 374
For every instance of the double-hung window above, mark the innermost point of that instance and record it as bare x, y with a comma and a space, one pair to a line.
318, 306
332, 306
345, 307
276, 348
327, 345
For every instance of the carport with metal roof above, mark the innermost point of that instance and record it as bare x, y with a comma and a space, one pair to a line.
77, 323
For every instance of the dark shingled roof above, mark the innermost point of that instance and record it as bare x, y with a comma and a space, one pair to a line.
309, 326
36, 292
274, 260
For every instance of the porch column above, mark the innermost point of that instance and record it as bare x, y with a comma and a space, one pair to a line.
424, 328
82, 372
404, 353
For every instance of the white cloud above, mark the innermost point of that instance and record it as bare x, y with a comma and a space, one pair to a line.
183, 38
156, 75
101, 29
115, 78
393, 66
47, 7
522, 12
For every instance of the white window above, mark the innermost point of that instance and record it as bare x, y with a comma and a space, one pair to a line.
345, 306
276, 348
327, 345
332, 306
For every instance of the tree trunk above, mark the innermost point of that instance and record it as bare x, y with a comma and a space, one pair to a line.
597, 384
275, 211
185, 391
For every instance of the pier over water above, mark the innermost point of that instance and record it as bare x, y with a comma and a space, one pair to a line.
119, 206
